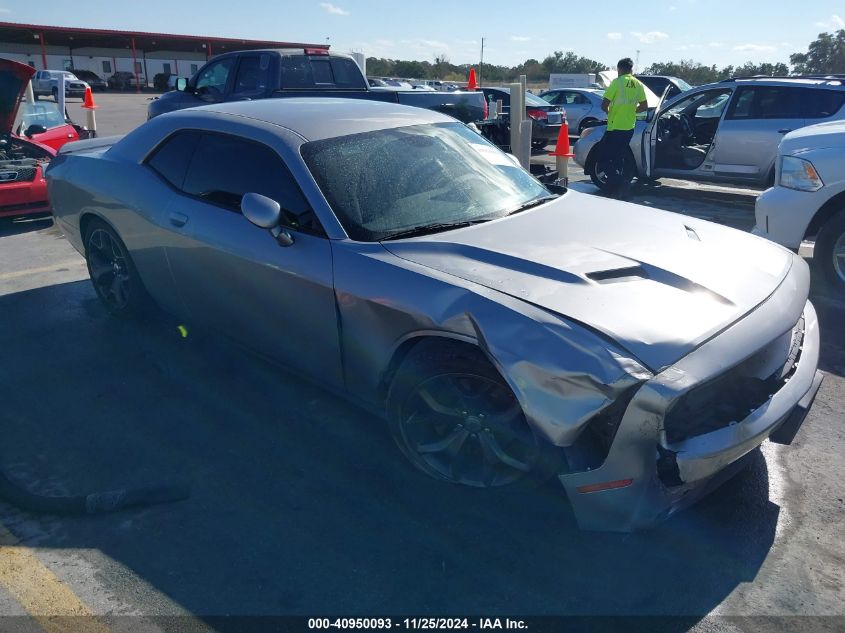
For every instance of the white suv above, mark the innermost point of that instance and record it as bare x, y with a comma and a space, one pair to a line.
808, 198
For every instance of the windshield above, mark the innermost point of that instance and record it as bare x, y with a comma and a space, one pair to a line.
389, 181
39, 113
683, 84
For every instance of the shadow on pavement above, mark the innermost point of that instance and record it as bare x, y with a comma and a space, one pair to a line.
301, 503
15, 225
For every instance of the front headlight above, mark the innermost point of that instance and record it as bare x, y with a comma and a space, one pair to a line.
797, 173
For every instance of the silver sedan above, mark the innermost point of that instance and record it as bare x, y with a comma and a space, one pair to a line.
504, 332
583, 106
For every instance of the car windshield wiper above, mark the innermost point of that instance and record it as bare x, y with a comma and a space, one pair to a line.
531, 203
425, 229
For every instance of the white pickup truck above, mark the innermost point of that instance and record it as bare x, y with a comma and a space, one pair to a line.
808, 199
46, 83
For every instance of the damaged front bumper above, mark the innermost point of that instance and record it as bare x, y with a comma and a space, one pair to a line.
646, 477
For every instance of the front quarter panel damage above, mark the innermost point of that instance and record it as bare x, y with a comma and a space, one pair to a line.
561, 373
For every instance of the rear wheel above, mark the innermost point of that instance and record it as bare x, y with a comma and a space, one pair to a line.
597, 170
829, 253
113, 272
456, 419
585, 124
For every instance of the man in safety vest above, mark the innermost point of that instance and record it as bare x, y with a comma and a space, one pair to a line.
623, 99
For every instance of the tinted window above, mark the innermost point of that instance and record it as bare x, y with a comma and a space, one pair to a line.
212, 79
171, 158
301, 71
346, 73
821, 104
322, 71
224, 168
252, 75
767, 102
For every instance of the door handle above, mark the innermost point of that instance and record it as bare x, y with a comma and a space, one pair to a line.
178, 219
784, 131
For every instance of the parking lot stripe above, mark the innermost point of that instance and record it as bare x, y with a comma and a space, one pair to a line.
67, 265
41, 594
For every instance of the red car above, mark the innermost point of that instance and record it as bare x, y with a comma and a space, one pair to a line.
23, 158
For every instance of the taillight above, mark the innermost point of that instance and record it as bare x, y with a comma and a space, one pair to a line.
316, 51
537, 115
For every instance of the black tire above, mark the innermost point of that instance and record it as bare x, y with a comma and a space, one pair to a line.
538, 145
55, 93
455, 418
595, 171
584, 124
113, 273
829, 253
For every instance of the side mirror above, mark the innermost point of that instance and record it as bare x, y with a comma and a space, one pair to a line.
265, 213
34, 129
182, 84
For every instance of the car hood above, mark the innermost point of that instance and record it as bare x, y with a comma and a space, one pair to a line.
13, 80
657, 283
823, 135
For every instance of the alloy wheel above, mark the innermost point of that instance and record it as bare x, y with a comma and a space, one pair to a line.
468, 429
107, 264
839, 257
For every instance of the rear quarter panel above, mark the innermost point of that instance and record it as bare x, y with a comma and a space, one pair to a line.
126, 195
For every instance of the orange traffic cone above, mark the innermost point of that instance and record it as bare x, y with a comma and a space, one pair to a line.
472, 84
562, 147
88, 102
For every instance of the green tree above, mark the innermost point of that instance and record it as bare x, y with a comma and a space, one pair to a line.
750, 69
558, 62
825, 55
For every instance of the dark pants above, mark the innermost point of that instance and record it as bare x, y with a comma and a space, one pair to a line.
613, 153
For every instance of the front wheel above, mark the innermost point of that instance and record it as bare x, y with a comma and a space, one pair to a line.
113, 272
456, 419
829, 253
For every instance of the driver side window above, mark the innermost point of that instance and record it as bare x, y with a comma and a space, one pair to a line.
212, 80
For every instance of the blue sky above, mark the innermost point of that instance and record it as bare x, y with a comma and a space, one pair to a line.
717, 32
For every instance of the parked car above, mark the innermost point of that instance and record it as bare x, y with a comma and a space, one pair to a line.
96, 82
163, 82
808, 199
723, 132
22, 161
505, 333
582, 105
46, 83
307, 72
43, 123
658, 83
546, 118
125, 80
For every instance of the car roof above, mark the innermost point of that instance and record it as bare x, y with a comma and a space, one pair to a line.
796, 81
317, 118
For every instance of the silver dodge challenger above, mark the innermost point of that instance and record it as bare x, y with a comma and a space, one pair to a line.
506, 333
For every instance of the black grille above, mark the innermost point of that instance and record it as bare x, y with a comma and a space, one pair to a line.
736, 393
16, 174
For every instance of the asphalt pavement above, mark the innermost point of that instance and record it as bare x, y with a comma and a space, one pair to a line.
302, 505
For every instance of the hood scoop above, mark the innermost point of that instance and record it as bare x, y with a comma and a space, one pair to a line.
629, 273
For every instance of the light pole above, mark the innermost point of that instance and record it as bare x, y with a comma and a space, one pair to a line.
481, 63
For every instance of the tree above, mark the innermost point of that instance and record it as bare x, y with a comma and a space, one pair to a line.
558, 62
750, 69
441, 66
825, 55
